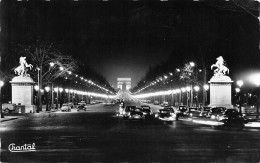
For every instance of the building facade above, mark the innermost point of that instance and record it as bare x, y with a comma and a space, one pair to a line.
124, 83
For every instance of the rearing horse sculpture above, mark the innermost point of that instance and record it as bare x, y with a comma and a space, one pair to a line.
221, 68
21, 69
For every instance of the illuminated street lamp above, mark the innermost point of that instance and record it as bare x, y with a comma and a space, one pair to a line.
36, 87
61, 68
197, 88
237, 90
1, 85
206, 88
52, 64
240, 83
47, 89
192, 64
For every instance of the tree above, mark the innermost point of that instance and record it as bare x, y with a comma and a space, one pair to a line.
49, 63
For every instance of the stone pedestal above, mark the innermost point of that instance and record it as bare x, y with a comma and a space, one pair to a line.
220, 91
22, 92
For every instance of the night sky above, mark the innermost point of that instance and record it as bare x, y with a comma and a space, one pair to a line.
122, 39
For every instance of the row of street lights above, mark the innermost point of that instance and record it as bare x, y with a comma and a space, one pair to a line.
177, 91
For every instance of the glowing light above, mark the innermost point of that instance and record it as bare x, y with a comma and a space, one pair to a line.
56, 89
237, 90
170, 73
255, 78
42, 91
52, 64
188, 89
212, 123
1, 83
196, 88
206, 87
47, 89
192, 64
71, 90
61, 68
178, 70
165, 77
66, 90
240, 83
177, 90
69, 72
36, 87
183, 89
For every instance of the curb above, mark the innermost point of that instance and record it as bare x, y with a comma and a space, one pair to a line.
4, 120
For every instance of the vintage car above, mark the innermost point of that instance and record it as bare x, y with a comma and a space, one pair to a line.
166, 114
193, 112
136, 113
232, 118
82, 106
216, 112
182, 109
127, 110
146, 110
66, 107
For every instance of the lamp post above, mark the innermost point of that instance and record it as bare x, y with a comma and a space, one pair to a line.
60, 90
206, 88
240, 84
188, 95
1, 110
47, 89
197, 88
57, 91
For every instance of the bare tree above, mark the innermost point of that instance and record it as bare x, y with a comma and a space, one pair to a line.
49, 62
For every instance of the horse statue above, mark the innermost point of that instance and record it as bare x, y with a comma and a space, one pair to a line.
221, 68
21, 70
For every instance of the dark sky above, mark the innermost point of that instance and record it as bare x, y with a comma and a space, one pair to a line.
121, 39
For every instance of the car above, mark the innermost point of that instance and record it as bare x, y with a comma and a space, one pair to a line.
65, 107
165, 103
166, 114
146, 110
182, 109
127, 110
232, 117
8, 107
136, 113
193, 112
82, 106
156, 102
216, 112
204, 110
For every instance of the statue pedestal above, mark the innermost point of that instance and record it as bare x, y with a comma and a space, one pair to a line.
22, 92
220, 91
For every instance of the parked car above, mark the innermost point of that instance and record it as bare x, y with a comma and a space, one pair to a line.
216, 112
166, 114
66, 107
8, 108
82, 106
193, 112
165, 103
146, 110
136, 113
231, 117
204, 111
127, 110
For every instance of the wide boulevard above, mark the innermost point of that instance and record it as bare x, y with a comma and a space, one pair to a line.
97, 135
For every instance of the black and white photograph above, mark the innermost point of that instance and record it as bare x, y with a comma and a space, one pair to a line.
130, 81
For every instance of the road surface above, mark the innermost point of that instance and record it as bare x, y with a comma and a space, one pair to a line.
97, 135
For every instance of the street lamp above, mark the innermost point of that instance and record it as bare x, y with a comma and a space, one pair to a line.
206, 88
197, 88
57, 91
52, 64
1, 84
240, 83
192, 64
47, 89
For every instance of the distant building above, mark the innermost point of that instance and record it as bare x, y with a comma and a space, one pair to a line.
124, 83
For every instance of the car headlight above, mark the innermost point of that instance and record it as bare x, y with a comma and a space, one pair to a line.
213, 117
